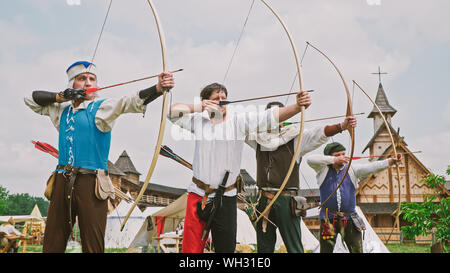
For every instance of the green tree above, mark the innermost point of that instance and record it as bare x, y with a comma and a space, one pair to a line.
23, 204
3, 201
431, 215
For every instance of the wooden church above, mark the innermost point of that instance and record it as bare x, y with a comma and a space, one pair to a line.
378, 195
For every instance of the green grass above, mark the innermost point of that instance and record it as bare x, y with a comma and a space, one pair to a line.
394, 248
408, 248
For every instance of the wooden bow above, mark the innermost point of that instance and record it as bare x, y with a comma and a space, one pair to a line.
163, 117
388, 128
300, 136
349, 112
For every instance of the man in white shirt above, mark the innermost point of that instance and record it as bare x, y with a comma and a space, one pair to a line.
338, 214
84, 125
9, 235
219, 140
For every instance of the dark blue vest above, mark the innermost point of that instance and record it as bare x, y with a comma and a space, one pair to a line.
346, 190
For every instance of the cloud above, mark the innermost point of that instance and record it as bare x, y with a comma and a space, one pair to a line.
435, 148
201, 37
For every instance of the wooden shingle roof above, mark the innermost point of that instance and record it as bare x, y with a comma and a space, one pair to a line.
382, 102
125, 164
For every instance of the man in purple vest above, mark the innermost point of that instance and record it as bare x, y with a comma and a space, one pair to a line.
339, 214
84, 124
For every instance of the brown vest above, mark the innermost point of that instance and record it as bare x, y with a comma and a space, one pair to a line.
272, 167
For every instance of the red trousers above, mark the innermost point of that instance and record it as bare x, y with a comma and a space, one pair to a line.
193, 227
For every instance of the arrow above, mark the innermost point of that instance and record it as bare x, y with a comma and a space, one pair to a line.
46, 148
167, 152
369, 156
225, 102
92, 90
311, 120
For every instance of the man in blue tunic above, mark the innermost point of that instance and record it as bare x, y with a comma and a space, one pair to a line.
84, 124
339, 213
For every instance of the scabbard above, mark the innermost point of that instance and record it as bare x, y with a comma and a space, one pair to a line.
217, 203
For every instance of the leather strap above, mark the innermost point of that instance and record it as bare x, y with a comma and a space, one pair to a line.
71, 176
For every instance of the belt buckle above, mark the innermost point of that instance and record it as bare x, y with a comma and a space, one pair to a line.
340, 214
68, 168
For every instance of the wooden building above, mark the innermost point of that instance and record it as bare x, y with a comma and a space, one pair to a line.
125, 177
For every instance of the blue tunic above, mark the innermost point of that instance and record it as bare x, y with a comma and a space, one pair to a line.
346, 191
81, 143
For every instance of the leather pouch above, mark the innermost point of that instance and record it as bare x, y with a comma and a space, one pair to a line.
50, 185
358, 222
104, 188
298, 206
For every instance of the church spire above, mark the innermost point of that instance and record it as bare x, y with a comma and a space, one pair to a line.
382, 102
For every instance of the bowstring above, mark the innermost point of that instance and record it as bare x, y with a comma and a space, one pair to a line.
92, 61
296, 74
101, 32
238, 41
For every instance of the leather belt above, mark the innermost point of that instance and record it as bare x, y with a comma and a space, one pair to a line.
340, 213
208, 189
75, 170
270, 195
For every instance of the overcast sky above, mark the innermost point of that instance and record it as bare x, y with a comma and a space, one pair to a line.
409, 40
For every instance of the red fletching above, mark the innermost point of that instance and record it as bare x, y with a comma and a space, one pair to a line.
45, 147
91, 90
50, 147
39, 147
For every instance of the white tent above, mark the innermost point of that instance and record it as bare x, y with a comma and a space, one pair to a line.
371, 241
21, 218
145, 233
245, 234
175, 212
114, 238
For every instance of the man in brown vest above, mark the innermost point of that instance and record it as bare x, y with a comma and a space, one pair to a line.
274, 152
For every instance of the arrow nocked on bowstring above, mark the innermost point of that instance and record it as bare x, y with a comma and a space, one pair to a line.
225, 102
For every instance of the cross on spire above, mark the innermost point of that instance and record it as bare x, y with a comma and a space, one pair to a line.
379, 73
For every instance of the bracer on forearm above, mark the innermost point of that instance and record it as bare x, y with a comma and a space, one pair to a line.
44, 98
149, 94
